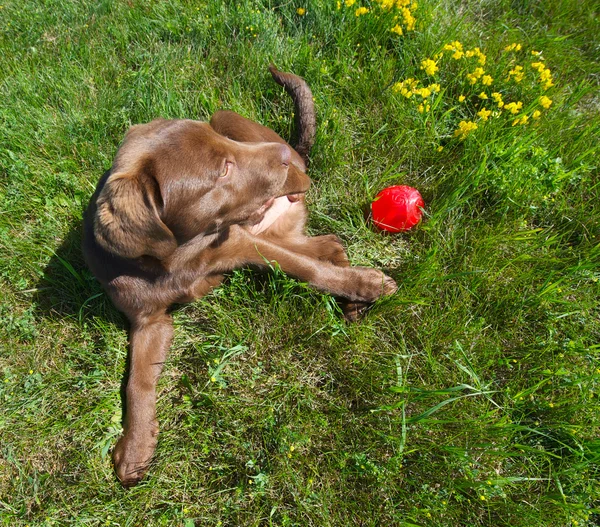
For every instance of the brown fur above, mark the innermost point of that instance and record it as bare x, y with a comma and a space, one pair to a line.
174, 213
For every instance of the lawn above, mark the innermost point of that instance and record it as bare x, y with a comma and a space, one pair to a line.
468, 398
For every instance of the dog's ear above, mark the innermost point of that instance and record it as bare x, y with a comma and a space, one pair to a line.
127, 220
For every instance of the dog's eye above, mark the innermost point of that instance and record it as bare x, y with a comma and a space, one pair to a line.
226, 169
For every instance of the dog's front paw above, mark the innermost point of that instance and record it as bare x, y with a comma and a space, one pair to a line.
372, 284
132, 456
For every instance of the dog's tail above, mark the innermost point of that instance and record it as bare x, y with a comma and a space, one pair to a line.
306, 123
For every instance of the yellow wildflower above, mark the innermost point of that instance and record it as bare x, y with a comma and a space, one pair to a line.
514, 107
484, 114
521, 120
407, 87
338, 5
477, 74
434, 87
539, 66
538, 53
545, 101
517, 72
408, 19
421, 108
486, 80
457, 55
429, 66
453, 46
464, 129
440, 148
301, 11
461, 98
386, 4
397, 29
513, 47
349, 3
424, 92
536, 114
361, 11
483, 96
498, 99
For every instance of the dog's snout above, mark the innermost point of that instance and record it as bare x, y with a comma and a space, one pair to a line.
286, 155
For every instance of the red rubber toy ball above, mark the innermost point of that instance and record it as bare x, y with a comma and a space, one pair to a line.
397, 208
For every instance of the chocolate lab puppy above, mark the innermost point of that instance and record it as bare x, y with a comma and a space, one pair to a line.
185, 202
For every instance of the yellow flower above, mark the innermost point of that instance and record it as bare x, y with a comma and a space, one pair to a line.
397, 29
539, 66
517, 72
514, 107
429, 66
545, 101
483, 96
477, 74
361, 11
536, 114
486, 80
453, 46
521, 120
434, 87
349, 3
440, 148
484, 114
421, 108
424, 92
464, 129
498, 99
408, 19
461, 98
301, 11
457, 55
511, 47
338, 5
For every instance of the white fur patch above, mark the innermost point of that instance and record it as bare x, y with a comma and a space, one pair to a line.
279, 207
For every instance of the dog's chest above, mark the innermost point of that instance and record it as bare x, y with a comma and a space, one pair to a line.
280, 207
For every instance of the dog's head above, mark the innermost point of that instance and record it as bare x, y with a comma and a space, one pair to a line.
175, 180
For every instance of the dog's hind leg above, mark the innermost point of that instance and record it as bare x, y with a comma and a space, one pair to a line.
150, 339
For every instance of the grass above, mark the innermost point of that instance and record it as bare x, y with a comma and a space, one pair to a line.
468, 398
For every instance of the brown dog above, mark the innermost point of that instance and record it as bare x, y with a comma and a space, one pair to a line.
185, 202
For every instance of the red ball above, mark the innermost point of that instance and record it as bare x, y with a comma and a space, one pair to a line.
397, 208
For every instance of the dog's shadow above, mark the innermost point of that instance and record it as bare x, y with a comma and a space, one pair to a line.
67, 288
68, 291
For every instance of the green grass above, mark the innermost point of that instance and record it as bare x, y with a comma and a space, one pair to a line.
468, 398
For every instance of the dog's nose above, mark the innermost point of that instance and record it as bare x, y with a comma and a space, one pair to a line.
286, 155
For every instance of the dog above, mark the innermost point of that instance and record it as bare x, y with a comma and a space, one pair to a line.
187, 201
